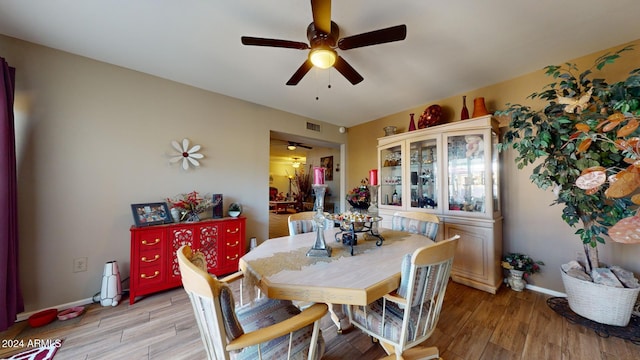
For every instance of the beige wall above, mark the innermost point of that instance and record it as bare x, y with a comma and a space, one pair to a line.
94, 138
530, 224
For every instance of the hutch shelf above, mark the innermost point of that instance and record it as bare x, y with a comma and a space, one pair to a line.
451, 170
154, 266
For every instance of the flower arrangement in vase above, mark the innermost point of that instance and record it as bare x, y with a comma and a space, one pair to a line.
302, 182
191, 205
360, 197
521, 262
520, 267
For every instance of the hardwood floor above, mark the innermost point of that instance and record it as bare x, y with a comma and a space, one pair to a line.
473, 325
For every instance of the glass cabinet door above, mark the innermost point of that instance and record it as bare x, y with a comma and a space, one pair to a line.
391, 176
494, 173
423, 173
466, 167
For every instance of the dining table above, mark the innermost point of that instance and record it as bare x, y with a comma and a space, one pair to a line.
280, 268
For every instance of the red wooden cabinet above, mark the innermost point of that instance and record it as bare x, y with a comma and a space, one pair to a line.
154, 266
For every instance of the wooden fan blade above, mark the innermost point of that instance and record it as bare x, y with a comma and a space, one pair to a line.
321, 10
347, 71
297, 144
300, 73
394, 33
248, 40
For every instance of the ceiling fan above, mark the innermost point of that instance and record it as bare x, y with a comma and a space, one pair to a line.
323, 35
293, 145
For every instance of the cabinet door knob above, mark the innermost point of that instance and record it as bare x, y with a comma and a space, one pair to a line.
144, 242
233, 232
144, 258
144, 276
232, 258
234, 244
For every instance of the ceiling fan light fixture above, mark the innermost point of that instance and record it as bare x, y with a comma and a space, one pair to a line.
322, 57
295, 163
291, 147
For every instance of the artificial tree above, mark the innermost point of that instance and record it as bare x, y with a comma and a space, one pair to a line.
566, 141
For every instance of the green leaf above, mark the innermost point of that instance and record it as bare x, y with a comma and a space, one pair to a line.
607, 60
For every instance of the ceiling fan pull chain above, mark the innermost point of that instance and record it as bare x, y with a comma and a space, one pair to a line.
317, 81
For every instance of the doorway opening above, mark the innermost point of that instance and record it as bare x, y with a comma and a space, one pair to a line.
291, 158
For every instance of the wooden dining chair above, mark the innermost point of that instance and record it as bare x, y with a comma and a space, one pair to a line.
302, 222
416, 222
408, 316
265, 329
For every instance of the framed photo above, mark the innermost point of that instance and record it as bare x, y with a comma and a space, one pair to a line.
151, 214
327, 164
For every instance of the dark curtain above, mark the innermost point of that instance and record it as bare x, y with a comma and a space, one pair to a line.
11, 302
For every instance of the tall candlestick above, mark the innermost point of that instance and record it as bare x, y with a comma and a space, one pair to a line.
373, 177
320, 247
318, 175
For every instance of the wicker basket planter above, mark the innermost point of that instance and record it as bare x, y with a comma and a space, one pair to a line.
603, 304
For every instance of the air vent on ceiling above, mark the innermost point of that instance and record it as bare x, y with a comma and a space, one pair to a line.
314, 127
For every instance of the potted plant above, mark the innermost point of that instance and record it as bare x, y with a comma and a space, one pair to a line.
587, 129
520, 266
235, 209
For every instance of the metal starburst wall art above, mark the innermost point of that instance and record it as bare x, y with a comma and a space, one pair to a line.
189, 156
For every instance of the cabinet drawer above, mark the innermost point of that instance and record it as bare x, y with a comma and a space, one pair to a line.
150, 240
232, 254
233, 230
149, 257
149, 276
231, 242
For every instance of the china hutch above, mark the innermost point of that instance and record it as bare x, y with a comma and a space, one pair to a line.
154, 265
451, 170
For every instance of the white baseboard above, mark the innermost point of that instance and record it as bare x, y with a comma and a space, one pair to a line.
545, 291
25, 315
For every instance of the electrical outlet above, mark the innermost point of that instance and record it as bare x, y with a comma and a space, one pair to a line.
79, 264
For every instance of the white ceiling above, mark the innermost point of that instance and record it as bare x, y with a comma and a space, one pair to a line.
451, 46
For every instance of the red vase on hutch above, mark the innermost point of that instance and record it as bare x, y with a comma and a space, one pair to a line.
464, 115
412, 123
